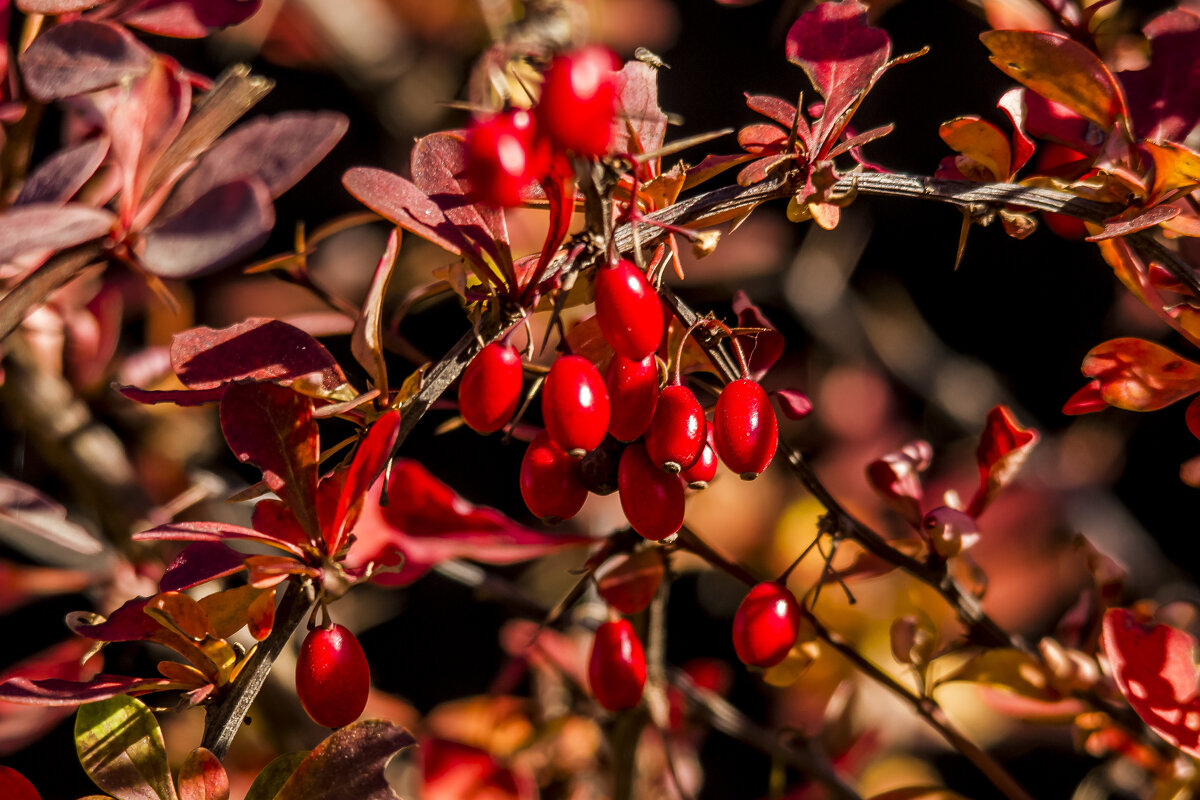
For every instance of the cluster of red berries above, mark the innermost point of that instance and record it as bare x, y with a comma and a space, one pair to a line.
508, 151
621, 431
332, 676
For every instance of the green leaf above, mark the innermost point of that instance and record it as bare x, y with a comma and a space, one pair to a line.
121, 749
275, 775
350, 763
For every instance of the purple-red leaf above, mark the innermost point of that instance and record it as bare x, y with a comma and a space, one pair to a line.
22, 724
58, 692
55, 6
61, 175
1164, 98
640, 125
214, 532
399, 201
1155, 669
272, 427
896, 477
81, 56
836, 46
428, 522
278, 150
792, 402
1003, 447
180, 397
350, 763
42, 227
226, 223
198, 563
188, 19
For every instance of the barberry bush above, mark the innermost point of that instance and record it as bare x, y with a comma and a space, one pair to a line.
598, 399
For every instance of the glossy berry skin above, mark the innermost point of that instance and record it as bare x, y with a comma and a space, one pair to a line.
633, 393
504, 155
490, 389
332, 676
766, 625
745, 431
628, 309
617, 666
578, 101
651, 499
677, 434
550, 481
700, 475
575, 405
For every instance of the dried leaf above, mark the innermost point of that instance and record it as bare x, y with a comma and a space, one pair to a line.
82, 56
350, 763
121, 749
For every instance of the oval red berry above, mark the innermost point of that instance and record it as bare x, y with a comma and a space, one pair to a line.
678, 432
745, 431
490, 389
550, 483
633, 393
579, 99
504, 155
651, 499
575, 405
332, 676
766, 625
617, 666
628, 309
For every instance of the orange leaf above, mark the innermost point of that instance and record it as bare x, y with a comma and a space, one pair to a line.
1175, 167
980, 141
1059, 69
1138, 375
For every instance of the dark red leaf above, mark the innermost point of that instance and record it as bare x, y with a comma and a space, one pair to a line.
258, 349
214, 532
1164, 98
792, 402
1003, 447
1192, 417
350, 763
401, 202
429, 523
896, 477
840, 52
61, 175
57, 692
762, 349
81, 56
188, 19
1155, 670
760, 170
278, 150
129, 623
180, 397
369, 462
15, 786
272, 427
227, 223
274, 518
22, 724
43, 227
198, 563
1046, 119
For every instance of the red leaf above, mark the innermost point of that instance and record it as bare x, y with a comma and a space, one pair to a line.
188, 19
214, 532
841, 53
60, 176
198, 563
429, 523
628, 583
1013, 104
201, 777
896, 478
761, 137
1192, 416
55, 6
279, 151
259, 349
402, 203
82, 56
762, 349
56, 692
1163, 100
1155, 669
43, 227
455, 771
180, 397
1138, 375
1045, 119
637, 110
369, 462
773, 108
1086, 400
792, 402
1133, 221
15, 786
350, 763
129, 623
22, 724
272, 427
1003, 447
225, 224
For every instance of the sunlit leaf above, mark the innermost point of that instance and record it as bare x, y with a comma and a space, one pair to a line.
638, 116
274, 775
42, 227
201, 777
58, 692
1155, 669
350, 763
369, 461
81, 56
121, 749
1003, 447
1009, 669
980, 141
1138, 375
1163, 100
1134, 220
213, 532
366, 342
188, 19
1175, 167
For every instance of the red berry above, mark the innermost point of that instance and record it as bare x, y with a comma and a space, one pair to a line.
332, 676
617, 666
766, 625
490, 388
579, 99
504, 155
575, 405
700, 474
550, 481
628, 309
745, 431
676, 436
651, 499
633, 391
